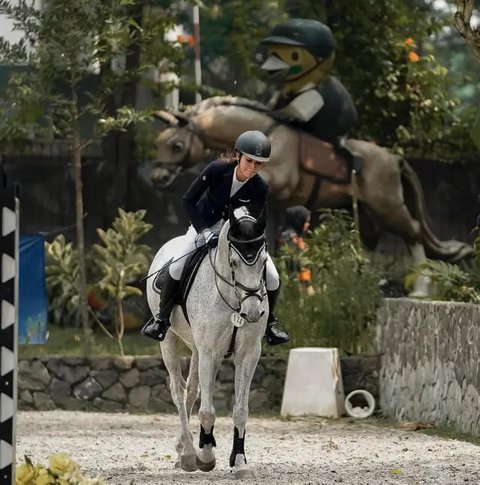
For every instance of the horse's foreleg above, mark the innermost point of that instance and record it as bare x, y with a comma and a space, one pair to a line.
246, 361
192, 382
207, 371
184, 445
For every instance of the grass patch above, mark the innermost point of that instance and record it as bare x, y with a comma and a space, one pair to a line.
444, 431
69, 342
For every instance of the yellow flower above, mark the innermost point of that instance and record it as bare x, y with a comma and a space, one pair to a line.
25, 474
44, 477
61, 464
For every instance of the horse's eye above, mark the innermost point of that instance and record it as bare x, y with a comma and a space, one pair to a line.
177, 147
295, 56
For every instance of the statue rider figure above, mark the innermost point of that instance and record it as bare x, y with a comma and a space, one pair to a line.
301, 54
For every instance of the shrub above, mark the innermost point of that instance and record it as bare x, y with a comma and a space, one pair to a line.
117, 263
341, 312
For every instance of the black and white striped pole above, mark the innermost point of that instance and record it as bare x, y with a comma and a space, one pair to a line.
9, 259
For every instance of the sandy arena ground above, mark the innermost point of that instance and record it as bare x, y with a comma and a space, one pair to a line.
139, 449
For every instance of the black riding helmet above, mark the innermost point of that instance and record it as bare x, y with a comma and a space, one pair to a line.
312, 34
255, 145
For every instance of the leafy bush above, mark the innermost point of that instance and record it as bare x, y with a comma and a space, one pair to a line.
62, 281
115, 265
122, 261
341, 312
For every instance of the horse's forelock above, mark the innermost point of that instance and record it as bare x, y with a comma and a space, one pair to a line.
244, 228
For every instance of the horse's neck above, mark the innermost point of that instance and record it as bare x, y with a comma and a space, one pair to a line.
221, 125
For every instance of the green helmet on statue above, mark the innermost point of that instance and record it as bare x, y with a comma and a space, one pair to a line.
308, 33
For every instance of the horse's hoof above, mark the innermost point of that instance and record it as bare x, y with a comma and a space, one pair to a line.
206, 467
177, 465
188, 463
243, 472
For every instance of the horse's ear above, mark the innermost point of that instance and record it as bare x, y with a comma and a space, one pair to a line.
183, 119
167, 117
262, 218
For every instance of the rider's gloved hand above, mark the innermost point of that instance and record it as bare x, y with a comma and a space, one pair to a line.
211, 239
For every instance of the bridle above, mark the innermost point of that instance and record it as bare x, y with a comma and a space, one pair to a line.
233, 282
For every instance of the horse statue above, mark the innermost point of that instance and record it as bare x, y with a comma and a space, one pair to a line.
224, 311
388, 191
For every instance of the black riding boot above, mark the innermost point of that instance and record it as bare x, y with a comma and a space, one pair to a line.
157, 327
274, 335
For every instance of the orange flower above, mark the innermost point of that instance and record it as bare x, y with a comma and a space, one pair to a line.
413, 57
409, 41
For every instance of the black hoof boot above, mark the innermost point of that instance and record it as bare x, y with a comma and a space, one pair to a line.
156, 328
274, 335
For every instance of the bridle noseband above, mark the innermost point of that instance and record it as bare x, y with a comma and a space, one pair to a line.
234, 283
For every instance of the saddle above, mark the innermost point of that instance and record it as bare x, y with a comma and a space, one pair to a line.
189, 272
322, 159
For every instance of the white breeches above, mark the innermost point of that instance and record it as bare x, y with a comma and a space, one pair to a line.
190, 241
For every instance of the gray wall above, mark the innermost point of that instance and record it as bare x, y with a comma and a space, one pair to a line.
430, 369
141, 384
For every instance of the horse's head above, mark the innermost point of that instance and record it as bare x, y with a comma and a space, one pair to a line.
178, 147
247, 256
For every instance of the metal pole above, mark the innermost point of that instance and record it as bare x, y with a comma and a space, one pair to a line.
198, 65
9, 257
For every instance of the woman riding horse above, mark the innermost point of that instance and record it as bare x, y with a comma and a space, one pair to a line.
232, 181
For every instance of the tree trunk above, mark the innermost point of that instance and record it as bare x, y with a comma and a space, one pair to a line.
119, 324
119, 147
77, 164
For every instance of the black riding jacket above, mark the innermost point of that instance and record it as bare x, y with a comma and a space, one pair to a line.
208, 199
337, 116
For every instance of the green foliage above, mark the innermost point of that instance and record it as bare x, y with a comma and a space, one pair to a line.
403, 95
452, 282
341, 312
115, 264
62, 281
65, 45
120, 258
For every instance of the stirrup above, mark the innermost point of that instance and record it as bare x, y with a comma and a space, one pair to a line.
156, 328
274, 335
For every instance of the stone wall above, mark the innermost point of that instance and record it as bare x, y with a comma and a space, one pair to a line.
430, 369
141, 384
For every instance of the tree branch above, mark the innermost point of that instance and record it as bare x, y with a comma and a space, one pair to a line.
462, 19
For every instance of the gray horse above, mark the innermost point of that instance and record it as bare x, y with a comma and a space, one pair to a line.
227, 310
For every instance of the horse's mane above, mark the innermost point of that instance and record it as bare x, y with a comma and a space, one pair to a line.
215, 101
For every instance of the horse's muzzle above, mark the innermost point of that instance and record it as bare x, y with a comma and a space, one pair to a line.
162, 176
252, 317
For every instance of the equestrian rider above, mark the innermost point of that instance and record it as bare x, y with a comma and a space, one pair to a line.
228, 182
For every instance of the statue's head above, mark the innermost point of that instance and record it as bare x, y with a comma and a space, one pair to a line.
300, 51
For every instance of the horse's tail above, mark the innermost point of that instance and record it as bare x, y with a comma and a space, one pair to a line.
450, 250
